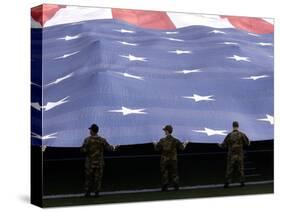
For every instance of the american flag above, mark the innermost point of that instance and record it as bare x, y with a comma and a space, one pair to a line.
132, 72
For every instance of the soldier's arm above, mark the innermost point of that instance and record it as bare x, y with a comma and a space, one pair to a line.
157, 146
180, 145
246, 140
84, 146
225, 142
107, 146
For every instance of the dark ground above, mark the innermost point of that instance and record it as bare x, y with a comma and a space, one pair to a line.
137, 167
154, 196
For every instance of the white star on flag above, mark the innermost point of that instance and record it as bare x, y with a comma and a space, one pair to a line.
189, 71
130, 75
174, 39
60, 79
49, 105
68, 37
134, 58
128, 44
268, 118
198, 98
229, 43
124, 31
181, 51
36, 105
127, 111
45, 137
33, 83
264, 44
67, 55
217, 32
211, 132
170, 33
256, 77
239, 58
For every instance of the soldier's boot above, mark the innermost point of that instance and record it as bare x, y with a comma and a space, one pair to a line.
87, 193
175, 181
164, 187
242, 184
226, 185
176, 187
97, 194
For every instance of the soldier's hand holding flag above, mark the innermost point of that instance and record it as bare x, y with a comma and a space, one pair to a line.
185, 144
154, 144
115, 147
219, 145
44, 147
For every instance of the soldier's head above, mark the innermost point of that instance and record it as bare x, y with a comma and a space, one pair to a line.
168, 129
94, 129
235, 125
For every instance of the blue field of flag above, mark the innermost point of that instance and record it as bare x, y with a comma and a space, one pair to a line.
132, 81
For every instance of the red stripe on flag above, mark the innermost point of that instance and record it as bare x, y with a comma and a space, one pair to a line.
44, 12
145, 19
255, 25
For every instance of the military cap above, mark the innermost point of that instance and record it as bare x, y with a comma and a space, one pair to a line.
169, 128
94, 128
235, 124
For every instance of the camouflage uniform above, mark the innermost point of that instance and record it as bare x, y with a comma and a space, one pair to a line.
235, 141
168, 147
94, 147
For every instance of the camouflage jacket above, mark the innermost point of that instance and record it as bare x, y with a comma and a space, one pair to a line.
168, 147
94, 147
234, 142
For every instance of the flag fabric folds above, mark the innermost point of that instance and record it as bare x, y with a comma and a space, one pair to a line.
132, 80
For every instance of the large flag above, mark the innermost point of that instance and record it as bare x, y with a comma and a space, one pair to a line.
132, 72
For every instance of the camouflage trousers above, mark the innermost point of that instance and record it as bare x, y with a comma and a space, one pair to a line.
169, 173
235, 166
93, 178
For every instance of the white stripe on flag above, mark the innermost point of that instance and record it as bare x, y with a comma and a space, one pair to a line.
35, 24
269, 20
73, 14
185, 19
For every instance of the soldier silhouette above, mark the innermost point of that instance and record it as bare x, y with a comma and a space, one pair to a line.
234, 142
168, 147
94, 147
